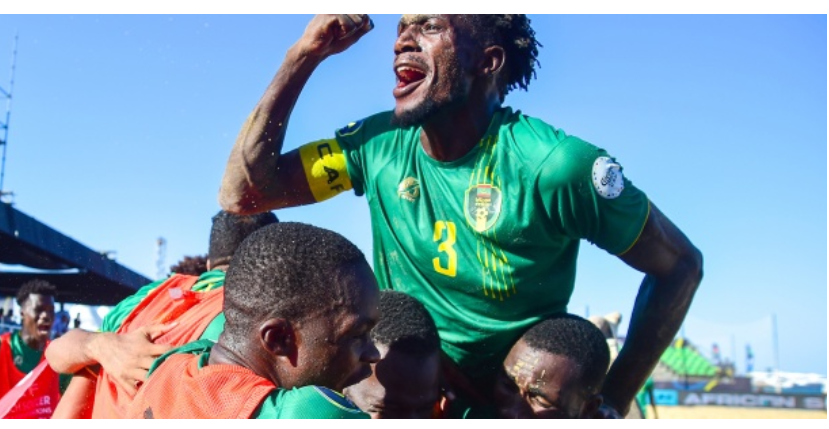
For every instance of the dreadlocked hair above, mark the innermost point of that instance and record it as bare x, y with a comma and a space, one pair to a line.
517, 37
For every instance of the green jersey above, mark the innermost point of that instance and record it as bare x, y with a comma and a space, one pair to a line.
207, 281
487, 242
308, 402
25, 358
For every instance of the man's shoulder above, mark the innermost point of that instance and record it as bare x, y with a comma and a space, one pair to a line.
532, 129
195, 348
377, 123
309, 402
535, 141
378, 128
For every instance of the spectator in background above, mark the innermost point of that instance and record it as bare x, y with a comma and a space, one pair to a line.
77, 322
22, 351
61, 324
8, 317
609, 326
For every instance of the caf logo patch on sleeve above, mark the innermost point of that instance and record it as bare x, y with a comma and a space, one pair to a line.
350, 129
607, 177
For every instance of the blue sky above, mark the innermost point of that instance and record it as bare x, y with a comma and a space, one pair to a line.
121, 126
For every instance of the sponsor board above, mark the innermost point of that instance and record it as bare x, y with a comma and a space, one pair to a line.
666, 397
752, 400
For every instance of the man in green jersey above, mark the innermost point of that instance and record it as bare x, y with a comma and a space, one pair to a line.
126, 357
21, 351
300, 302
477, 210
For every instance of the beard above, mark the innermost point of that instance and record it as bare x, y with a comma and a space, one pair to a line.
455, 95
416, 116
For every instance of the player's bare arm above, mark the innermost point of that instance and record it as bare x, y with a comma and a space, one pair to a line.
673, 268
127, 357
258, 177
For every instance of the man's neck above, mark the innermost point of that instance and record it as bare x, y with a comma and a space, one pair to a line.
451, 136
32, 341
255, 361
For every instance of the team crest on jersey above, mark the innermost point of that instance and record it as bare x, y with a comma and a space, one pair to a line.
409, 189
482, 205
607, 177
350, 129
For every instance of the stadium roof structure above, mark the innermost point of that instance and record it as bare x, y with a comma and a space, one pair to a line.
686, 361
81, 275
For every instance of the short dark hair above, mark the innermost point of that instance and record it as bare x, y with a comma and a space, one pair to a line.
191, 265
576, 338
286, 270
405, 325
517, 37
229, 230
36, 286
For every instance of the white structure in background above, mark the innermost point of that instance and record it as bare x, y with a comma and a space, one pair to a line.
788, 382
91, 316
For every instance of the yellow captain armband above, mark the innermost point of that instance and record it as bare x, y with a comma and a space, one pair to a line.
325, 168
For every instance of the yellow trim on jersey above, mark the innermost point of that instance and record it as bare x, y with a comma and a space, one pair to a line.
639, 235
325, 168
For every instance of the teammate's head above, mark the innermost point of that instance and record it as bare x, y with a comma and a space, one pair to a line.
300, 302
36, 299
555, 370
228, 232
190, 265
445, 62
405, 383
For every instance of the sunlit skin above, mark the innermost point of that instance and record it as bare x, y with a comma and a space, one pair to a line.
340, 352
538, 384
451, 85
329, 347
444, 79
37, 314
402, 386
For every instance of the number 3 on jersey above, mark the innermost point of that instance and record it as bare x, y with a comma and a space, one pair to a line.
446, 246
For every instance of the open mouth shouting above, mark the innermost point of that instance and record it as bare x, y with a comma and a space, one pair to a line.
44, 328
409, 77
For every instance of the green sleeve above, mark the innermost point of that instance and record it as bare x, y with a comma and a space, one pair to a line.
367, 147
214, 329
310, 402
585, 200
113, 320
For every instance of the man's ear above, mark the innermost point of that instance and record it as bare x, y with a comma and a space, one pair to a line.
591, 405
493, 61
279, 338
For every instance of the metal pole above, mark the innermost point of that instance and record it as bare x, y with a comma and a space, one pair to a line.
682, 350
776, 351
5, 141
734, 352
